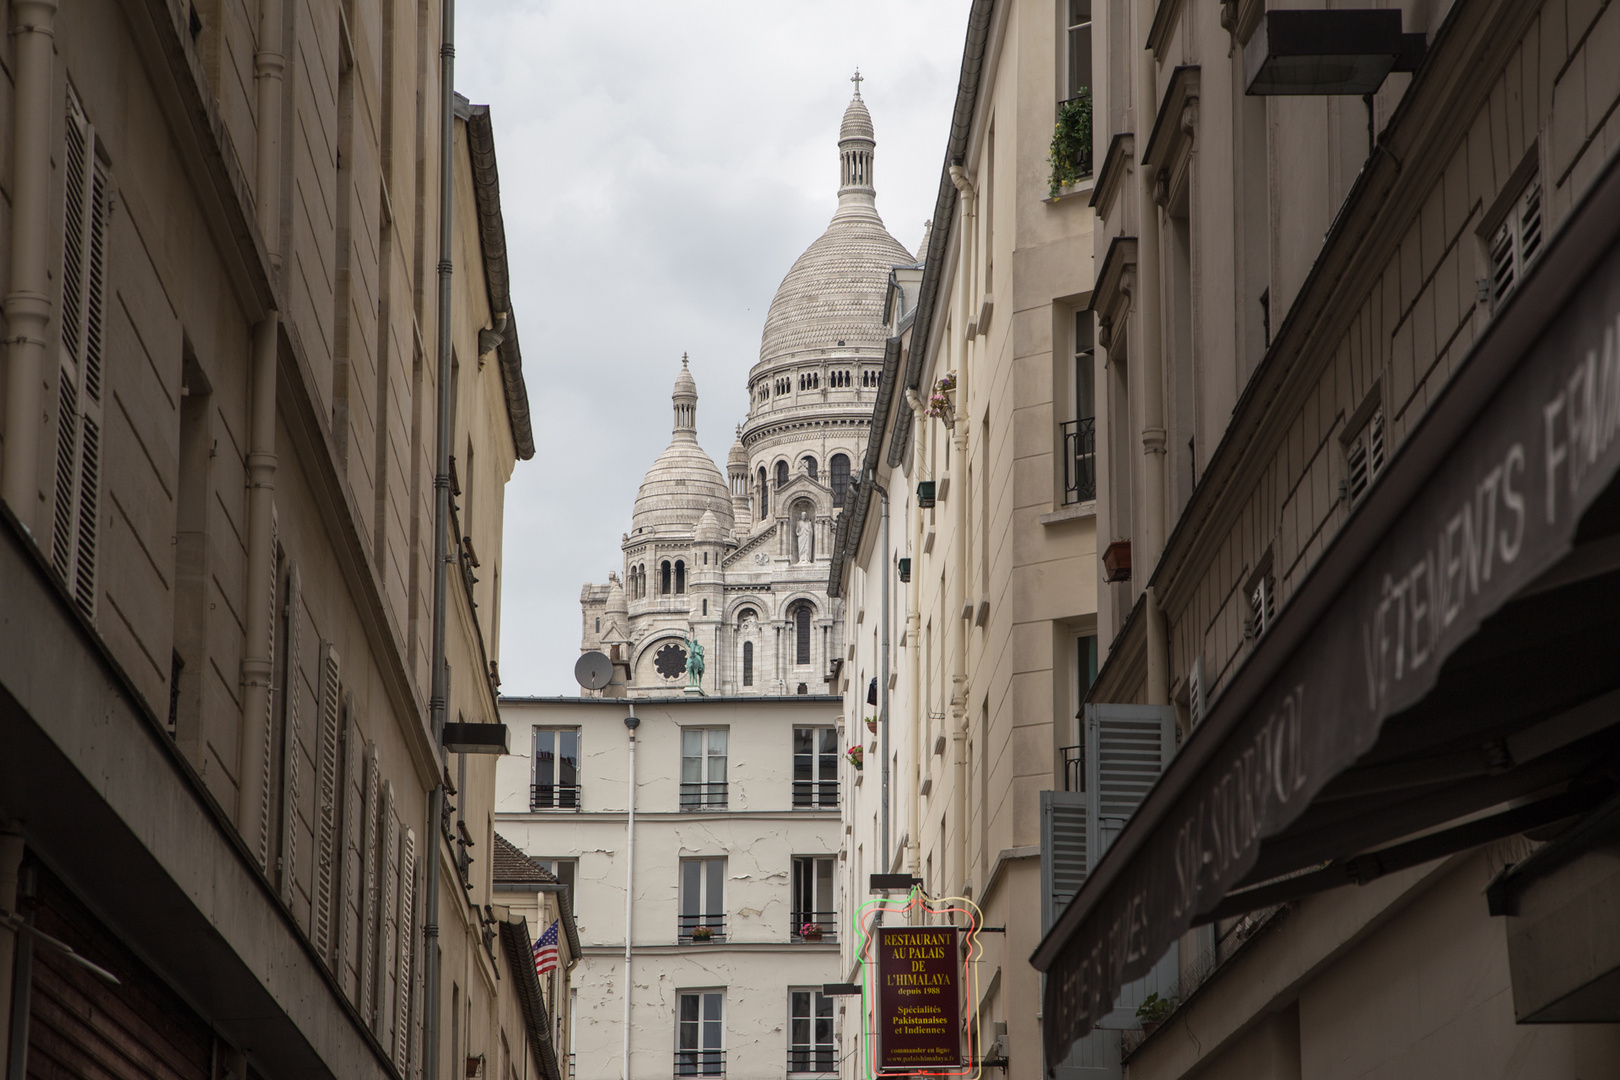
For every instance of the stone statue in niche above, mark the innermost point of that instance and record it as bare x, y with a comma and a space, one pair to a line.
804, 531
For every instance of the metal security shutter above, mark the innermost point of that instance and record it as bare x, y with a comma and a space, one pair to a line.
75, 518
327, 854
1063, 851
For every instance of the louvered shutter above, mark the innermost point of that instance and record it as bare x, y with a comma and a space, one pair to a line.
348, 904
368, 912
406, 951
87, 208
1063, 851
291, 780
1364, 456
1195, 691
1127, 746
388, 939
326, 821
1516, 242
269, 702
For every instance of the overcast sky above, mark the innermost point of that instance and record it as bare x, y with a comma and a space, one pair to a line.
662, 165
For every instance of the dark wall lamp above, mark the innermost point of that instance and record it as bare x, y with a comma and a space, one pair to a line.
1328, 52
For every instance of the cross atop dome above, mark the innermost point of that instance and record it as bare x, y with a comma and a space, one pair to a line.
857, 80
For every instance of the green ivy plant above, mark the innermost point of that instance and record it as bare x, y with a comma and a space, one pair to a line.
1071, 142
1155, 1008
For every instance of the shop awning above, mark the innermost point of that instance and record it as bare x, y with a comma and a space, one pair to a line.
1448, 673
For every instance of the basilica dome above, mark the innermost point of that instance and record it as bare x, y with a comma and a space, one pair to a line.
684, 482
832, 297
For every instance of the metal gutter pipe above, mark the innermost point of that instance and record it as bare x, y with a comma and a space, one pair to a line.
28, 304
255, 669
439, 700
883, 666
919, 715
631, 723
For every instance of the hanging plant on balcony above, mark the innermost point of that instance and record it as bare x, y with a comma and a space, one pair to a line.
871, 724
1071, 143
856, 755
702, 933
810, 931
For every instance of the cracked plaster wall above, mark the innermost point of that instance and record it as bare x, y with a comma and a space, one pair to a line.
758, 835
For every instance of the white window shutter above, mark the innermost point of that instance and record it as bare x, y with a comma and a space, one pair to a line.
1195, 691
348, 887
1364, 456
388, 938
1516, 242
368, 911
76, 510
1127, 747
265, 802
291, 751
1063, 851
406, 951
326, 820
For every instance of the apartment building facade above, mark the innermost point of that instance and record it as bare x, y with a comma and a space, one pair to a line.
718, 819
1356, 309
216, 601
965, 555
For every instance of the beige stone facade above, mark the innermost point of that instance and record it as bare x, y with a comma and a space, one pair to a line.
218, 448
991, 603
1301, 296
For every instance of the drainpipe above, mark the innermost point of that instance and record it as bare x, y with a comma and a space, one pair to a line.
631, 723
883, 666
439, 699
919, 717
1151, 367
28, 304
261, 458
22, 979
1150, 330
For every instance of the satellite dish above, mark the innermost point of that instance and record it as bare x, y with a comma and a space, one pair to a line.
593, 671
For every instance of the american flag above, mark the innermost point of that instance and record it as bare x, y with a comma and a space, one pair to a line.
545, 951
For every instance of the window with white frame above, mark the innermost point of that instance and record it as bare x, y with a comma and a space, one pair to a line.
703, 768
1078, 43
815, 768
813, 916
812, 1044
555, 785
703, 900
700, 1035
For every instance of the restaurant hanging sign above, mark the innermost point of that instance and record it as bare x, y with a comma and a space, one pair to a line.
919, 997
1495, 482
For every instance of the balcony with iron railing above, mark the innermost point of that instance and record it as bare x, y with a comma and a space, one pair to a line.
813, 1060
815, 794
698, 929
553, 796
1074, 767
700, 1063
1079, 460
706, 796
814, 926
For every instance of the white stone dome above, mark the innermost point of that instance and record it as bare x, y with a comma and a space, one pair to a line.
832, 297
683, 482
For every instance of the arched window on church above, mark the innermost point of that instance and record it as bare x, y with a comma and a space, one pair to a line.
781, 474
840, 477
663, 583
801, 633
810, 467
680, 577
764, 496
748, 663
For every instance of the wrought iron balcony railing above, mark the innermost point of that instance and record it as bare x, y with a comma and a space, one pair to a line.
710, 796
1079, 460
815, 794
691, 928
814, 926
809, 1060
553, 796
700, 1063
